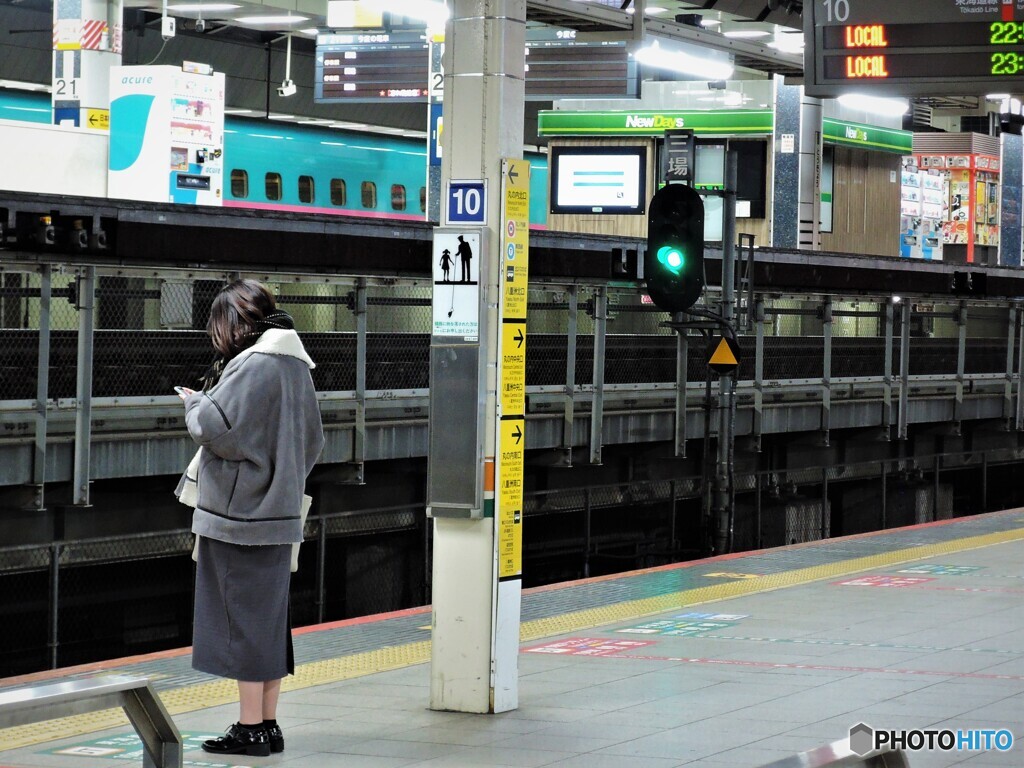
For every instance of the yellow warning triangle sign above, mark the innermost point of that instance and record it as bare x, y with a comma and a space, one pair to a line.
725, 358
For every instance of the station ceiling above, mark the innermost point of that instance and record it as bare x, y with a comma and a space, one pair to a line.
749, 30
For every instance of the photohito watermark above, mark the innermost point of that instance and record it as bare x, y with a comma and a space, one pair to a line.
865, 739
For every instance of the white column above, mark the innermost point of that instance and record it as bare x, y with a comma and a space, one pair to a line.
87, 37
475, 629
810, 174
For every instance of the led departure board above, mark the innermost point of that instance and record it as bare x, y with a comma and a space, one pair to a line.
394, 66
920, 47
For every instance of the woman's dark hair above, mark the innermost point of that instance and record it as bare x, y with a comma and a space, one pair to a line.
234, 315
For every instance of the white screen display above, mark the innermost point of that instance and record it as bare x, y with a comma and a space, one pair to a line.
599, 181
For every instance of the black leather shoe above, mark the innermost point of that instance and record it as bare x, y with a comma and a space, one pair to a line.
276, 738
241, 741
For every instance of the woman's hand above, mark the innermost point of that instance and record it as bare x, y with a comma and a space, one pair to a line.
184, 392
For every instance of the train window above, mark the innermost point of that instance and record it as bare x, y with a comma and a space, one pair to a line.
307, 193
398, 197
339, 194
423, 199
239, 183
369, 194
273, 185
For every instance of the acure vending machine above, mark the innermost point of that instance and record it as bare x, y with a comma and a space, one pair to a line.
167, 134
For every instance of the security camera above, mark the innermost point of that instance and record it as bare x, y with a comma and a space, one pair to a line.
287, 88
200, 25
167, 27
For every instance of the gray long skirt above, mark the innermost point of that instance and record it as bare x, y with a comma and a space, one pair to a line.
241, 628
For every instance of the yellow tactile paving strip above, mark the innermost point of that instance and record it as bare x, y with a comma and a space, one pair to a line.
206, 695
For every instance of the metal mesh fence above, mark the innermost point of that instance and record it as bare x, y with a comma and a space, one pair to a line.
639, 359
150, 335
20, 308
987, 341
858, 341
326, 323
399, 320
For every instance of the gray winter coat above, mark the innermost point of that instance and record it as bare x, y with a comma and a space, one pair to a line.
261, 434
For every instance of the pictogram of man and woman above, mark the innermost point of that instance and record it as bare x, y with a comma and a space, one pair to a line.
464, 253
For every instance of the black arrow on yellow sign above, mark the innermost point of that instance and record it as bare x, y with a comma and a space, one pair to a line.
519, 338
513, 174
518, 434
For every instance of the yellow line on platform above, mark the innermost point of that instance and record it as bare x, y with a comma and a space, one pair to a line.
212, 694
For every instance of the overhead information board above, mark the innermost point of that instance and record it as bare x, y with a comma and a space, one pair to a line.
371, 67
913, 48
395, 66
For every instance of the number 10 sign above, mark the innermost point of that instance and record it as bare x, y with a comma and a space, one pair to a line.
467, 202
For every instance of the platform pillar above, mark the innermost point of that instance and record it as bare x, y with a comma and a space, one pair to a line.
476, 614
796, 200
87, 38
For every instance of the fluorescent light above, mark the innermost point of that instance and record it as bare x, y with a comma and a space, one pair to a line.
201, 7
311, 31
997, 96
706, 22
874, 104
746, 33
22, 86
787, 43
272, 19
238, 111
685, 63
655, 10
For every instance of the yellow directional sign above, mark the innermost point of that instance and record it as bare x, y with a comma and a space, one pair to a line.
515, 237
511, 449
98, 119
726, 356
513, 369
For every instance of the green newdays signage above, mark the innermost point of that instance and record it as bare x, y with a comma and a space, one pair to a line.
867, 136
655, 123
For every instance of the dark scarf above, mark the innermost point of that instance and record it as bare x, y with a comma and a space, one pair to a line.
279, 320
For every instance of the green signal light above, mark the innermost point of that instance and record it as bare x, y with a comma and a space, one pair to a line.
671, 257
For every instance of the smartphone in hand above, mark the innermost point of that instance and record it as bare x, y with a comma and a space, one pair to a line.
183, 392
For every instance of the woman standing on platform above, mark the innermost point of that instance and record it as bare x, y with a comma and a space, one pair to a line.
258, 426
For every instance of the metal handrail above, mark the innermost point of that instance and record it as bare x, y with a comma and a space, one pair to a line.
145, 711
839, 755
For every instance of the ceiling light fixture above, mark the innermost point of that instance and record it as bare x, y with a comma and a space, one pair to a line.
746, 34
201, 7
685, 63
270, 20
874, 104
706, 22
787, 42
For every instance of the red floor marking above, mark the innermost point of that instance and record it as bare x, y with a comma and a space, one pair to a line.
825, 667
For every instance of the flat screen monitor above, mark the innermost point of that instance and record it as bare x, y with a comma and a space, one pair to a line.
605, 180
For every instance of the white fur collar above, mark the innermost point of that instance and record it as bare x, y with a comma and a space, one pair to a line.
277, 341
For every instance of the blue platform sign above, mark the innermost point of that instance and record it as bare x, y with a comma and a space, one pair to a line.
436, 127
466, 202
